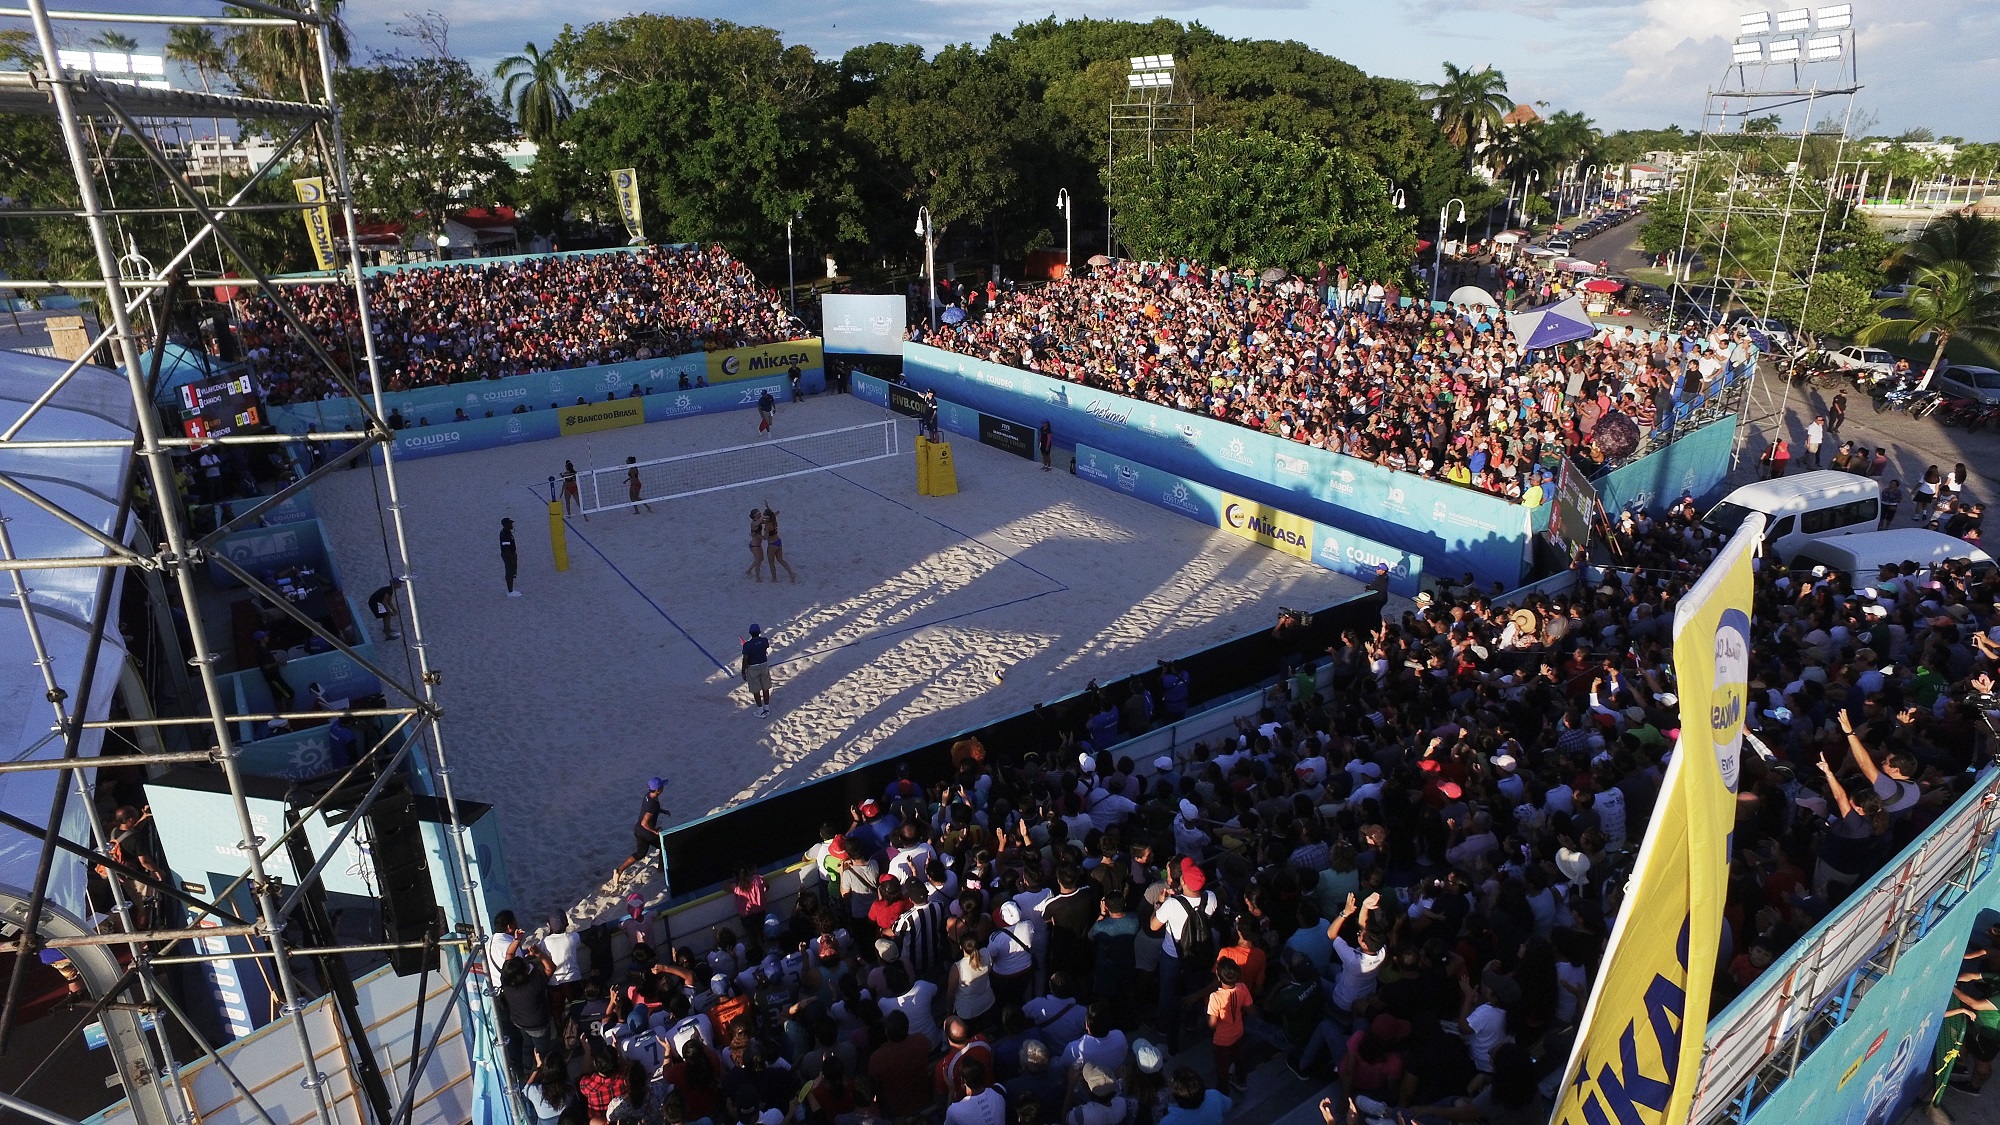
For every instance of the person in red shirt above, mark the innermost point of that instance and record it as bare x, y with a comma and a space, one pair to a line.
892, 904
1226, 1006
1249, 960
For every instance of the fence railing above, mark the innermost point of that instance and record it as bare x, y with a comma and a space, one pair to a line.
1757, 1043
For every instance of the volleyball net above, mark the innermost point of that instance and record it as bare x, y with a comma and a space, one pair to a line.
694, 474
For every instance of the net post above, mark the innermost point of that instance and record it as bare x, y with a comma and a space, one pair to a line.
558, 536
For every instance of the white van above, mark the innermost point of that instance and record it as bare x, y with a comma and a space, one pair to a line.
1863, 556
1801, 509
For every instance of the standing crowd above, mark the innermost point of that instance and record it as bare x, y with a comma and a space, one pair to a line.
1343, 364
1400, 875
453, 323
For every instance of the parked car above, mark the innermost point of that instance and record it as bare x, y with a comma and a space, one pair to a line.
1962, 380
1559, 243
1857, 358
1773, 329
1891, 292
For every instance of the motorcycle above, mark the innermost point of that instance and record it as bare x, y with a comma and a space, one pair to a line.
1953, 411
1903, 398
1982, 419
1923, 405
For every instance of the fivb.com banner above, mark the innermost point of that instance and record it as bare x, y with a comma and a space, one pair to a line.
1637, 1057
1433, 520
1327, 547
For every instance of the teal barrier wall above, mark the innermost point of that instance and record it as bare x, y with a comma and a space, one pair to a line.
1326, 547
261, 550
1457, 528
1697, 462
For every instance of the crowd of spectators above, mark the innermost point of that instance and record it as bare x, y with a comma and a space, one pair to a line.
1341, 364
489, 320
1401, 874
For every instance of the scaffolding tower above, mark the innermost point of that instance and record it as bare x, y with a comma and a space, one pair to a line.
1771, 162
1156, 108
138, 300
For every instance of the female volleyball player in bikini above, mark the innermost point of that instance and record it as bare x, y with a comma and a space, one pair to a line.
757, 546
633, 487
774, 547
572, 502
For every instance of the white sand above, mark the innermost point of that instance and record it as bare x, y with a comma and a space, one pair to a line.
559, 704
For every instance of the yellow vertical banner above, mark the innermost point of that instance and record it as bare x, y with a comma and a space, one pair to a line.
1637, 1058
558, 535
319, 227
625, 188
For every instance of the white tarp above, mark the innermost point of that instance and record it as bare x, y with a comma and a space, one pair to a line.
86, 483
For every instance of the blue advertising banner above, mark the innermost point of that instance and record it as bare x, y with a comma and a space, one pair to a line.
544, 390
1327, 547
1455, 527
266, 550
541, 425
1697, 463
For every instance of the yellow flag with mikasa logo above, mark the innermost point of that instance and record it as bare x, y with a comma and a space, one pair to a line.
1637, 1059
625, 189
319, 228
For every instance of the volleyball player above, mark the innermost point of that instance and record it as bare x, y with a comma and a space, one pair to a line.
572, 502
757, 545
632, 486
774, 547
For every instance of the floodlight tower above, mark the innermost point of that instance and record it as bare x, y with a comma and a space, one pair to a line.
1763, 186
1156, 108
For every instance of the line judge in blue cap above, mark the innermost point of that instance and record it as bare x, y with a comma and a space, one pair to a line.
646, 833
757, 668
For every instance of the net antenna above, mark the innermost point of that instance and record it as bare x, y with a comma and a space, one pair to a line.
738, 466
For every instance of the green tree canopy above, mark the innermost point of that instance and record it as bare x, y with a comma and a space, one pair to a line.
731, 132
1257, 200
426, 135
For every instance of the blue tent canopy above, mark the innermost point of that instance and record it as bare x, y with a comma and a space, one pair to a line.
179, 367
1554, 324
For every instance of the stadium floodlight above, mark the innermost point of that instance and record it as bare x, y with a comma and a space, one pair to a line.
1750, 52
1836, 17
1794, 19
1754, 23
149, 64
1152, 62
1149, 80
1823, 48
1787, 50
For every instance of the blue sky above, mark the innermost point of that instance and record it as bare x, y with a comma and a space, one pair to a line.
1625, 63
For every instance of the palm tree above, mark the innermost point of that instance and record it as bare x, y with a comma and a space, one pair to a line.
1957, 236
275, 57
1947, 301
534, 90
1469, 104
115, 41
196, 47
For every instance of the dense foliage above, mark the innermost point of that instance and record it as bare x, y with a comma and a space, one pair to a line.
1258, 200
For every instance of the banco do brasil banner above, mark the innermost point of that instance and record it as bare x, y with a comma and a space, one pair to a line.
600, 416
1326, 547
731, 364
1638, 1051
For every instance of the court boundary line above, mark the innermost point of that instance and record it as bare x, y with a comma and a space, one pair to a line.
571, 529
1057, 586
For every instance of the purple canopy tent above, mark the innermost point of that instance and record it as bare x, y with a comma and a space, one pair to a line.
1554, 324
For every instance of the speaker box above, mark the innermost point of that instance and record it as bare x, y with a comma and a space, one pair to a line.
402, 870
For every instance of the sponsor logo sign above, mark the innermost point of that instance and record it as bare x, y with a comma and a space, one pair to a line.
592, 417
1259, 523
905, 401
764, 359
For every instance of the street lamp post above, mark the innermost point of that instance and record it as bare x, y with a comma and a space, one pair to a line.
930, 260
791, 279
1437, 263
1062, 204
1587, 174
